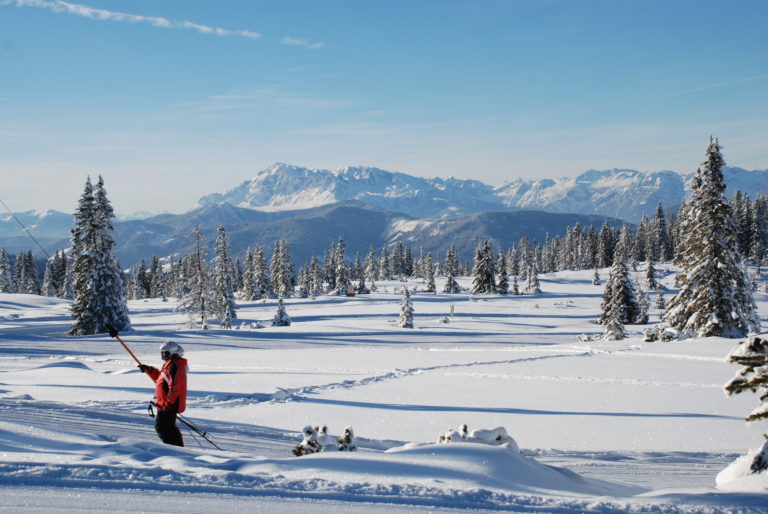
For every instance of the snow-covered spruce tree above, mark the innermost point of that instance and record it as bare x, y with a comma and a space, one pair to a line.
515, 289
224, 306
315, 277
198, 301
715, 297
483, 271
248, 291
596, 278
614, 328
406, 310
99, 297
532, 285
451, 270
753, 355
661, 302
49, 288
371, 265
261, 274
429, 268
384, 265
619, 295
281, 318
645, 305
6, 277
650, 276
281, 270
502, 286
341, 286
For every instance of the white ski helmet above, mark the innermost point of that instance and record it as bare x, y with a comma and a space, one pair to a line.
169, 349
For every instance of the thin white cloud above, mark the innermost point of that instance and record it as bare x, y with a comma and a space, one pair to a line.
85, 11
288, 40
723, 84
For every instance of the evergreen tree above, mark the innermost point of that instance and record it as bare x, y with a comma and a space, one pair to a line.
596, 278
532, 285
661, 303
371, 265
281, 318
49, 288
384, 267
224, 306
341, 286
281, 272
315, 277
502, 287
6, 276
484, 281
451, 270
752, 354
99, 296
663, 243
261, 274
430, 271
644, 307
406, 310
198, 301
619, 296
304, 282
650, 276
514, 290
715, 297
614, 328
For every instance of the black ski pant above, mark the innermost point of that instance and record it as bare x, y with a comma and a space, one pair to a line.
165, 426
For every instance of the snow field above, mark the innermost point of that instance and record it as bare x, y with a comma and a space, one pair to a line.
630, 420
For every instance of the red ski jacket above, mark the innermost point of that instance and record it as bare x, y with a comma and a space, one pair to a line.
170, 384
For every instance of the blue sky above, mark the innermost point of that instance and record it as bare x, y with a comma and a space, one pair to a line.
176, 99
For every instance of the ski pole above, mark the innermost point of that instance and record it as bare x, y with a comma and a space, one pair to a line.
113, 333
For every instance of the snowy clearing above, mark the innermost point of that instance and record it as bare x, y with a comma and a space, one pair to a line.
601, 426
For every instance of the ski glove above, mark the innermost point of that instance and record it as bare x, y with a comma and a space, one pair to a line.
112, 332
143, 368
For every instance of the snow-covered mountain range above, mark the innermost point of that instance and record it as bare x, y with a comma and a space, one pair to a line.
311, 208
619, 193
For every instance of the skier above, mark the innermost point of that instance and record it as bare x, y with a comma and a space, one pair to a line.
170, 391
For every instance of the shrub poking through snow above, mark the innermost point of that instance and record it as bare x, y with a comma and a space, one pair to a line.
347, 442
753, 355
309, 444
281, 318
495, 436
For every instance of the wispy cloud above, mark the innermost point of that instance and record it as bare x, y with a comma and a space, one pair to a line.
723, 84
247, 98
287, 40
85, 11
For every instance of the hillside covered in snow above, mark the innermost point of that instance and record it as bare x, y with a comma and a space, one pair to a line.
593, 426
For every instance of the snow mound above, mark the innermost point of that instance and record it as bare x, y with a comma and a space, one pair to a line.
499, 467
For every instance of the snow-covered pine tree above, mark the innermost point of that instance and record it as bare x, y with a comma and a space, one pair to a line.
596, 278
224, 306
384, 265
6, 276
281, 318
644, 303
614, 328
650, 276
49, 288
715, 297
451, 269
532, 285
502, 286
483, 271
371, 265
515, 289
619, 295
753, 355
341, 286
661, 303
198, 301
605, 246
429, 268
248, 292
281, 270
315, 277
261, 274
406, 310
661, 236
99, 297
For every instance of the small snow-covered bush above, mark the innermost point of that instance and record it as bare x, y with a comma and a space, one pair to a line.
347, 442
309, 444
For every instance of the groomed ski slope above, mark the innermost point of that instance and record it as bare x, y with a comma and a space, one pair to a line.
601, 426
